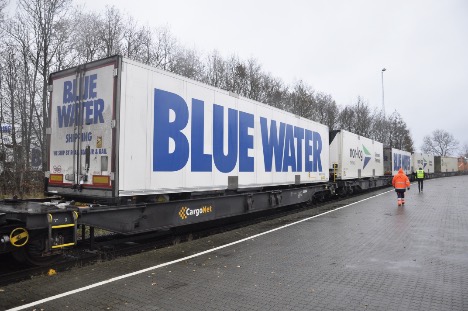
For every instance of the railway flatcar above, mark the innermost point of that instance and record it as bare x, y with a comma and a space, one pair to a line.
135, 149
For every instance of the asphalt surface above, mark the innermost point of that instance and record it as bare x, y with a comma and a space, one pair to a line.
371, 255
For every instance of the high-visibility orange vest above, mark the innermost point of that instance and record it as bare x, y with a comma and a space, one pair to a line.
400, 180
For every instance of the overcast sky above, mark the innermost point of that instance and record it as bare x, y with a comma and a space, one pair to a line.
339, 47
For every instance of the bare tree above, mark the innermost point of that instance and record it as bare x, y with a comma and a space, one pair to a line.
87, 44
441, 143
162, 48
464, 150
302, 100
65, 56
110, 31
254, 80
380, 128
138, 42
235, 75
325, 110
41, 18
3, 4
346, 119
5, 128
146, 52
215, 70
363, 117
21, 93
187, 63
399, 135
12, 97
275, 92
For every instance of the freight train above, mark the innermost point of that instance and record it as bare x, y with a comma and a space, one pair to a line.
135, 149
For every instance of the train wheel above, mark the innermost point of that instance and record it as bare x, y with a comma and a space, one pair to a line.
33, 252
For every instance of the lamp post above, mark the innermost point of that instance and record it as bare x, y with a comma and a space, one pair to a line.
383, 102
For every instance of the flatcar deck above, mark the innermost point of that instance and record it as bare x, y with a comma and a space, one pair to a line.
368, 255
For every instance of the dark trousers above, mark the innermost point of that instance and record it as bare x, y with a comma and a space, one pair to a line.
400, 193
420, 184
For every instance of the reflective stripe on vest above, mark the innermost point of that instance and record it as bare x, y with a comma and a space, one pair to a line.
419, 174
400, 185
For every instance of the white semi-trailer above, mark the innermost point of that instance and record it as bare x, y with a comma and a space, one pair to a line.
423, 161
121, 128
394, 159
446, 164
353, 156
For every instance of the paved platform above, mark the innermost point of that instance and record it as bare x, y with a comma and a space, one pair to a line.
371, 255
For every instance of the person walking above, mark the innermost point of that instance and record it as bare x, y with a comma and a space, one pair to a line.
400, 182
420, 179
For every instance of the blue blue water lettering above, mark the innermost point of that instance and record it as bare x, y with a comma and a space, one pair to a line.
225, 163
272, 144
91, 113
89, 89
317, 141
289, 157
200, 161
299, 135
164, 130
246, 121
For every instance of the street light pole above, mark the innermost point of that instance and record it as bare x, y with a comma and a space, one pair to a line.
383, 102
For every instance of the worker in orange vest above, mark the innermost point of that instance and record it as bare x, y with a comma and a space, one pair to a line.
400, 182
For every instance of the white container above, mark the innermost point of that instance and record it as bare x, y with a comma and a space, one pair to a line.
153, 132
394, 159
355, 156
448, 164
423, 161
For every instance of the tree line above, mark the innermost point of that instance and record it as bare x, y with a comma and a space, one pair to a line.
44, 36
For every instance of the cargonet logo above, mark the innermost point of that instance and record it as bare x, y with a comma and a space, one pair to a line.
182, 212
186, 212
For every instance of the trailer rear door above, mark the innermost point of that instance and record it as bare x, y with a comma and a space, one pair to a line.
82, 129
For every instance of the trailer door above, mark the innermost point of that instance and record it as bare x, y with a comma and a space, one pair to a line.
82, 129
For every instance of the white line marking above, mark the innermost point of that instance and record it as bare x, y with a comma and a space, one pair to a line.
38, 302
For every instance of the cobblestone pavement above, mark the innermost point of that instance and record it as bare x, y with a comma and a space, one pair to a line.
371, 255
